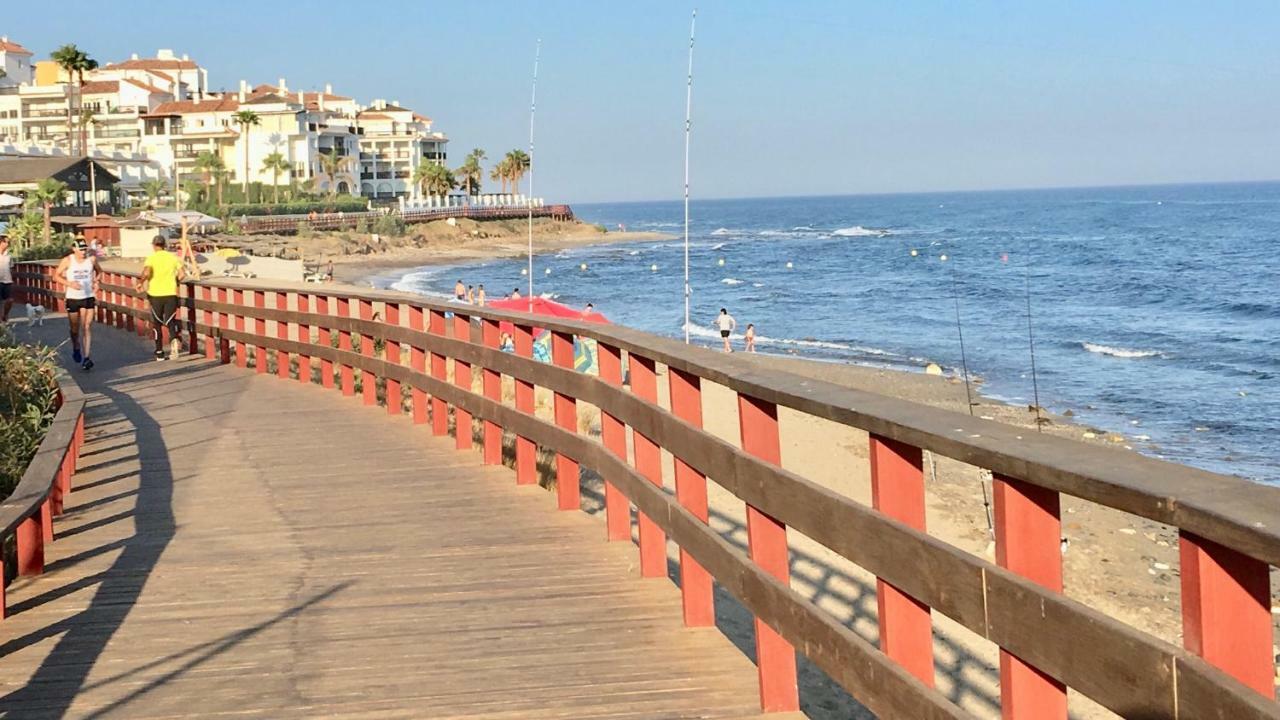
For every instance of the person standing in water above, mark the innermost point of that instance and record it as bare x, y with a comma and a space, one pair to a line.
161, 274
480, 296
471, 294
459, 290
78, 273
750, 337
726, 324
515, 293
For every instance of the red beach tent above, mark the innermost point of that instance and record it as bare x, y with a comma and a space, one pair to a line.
543, 306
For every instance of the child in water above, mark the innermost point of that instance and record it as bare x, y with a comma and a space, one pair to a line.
750, 337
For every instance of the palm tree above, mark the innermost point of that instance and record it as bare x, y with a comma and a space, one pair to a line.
275, 163
331, 163
75, 62
246, 119
209, 163
502, 173
434, 179
47, 192
154, 189
518, 165
470, 173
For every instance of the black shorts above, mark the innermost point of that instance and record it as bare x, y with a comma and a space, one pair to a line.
6, 291
724, 333
164, 308
74, 304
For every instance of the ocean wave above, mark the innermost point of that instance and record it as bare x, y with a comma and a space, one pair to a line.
859, 231
731, 281
634, 252
717, 246
1119, 351
757, 284
724, 231
802, 228
846, 348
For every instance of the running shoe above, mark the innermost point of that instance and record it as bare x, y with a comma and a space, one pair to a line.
75, 356
87, 365
160, 356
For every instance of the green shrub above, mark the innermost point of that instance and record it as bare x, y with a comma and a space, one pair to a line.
58, 247
600, 228
362, 226
344, 203
28, 394
304, 229
389, 225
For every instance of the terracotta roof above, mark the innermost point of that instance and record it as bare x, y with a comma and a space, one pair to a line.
146, 86
10, 46
266, 98
421, 118
160, 74
183, 107
100, 87
153, 64
373, 116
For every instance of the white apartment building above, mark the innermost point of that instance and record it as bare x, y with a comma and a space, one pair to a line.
394, 141
15, 60
180, 77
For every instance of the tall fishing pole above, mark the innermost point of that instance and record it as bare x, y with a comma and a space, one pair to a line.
533, 106
964, 361
1031, 338
688, 125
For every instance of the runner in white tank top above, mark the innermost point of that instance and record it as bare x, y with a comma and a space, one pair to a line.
78, 273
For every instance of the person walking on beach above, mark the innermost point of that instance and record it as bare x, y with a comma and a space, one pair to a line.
459, 290
726, 324
161, 274
6, 279
328, 272
78, 273
750, 337
480, 296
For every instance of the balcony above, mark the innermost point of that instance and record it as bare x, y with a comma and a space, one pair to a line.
45, 113
130, 133
438, 156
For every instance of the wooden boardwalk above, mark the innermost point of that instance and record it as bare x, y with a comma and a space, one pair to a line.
238, 545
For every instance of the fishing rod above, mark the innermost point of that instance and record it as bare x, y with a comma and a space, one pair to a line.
1031, 338
533, 106
688, 125
968, 391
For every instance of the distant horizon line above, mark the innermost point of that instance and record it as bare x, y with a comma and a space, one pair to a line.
1049, 188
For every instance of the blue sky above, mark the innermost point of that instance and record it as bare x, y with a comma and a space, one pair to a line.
789, 98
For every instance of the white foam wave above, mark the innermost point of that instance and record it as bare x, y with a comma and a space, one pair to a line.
717, 246
711, 333
731, 281
724, 231
1119, 351
802, 228
757, 284
859, 231
634, 252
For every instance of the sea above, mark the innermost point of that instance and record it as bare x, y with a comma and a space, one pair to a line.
1153, 310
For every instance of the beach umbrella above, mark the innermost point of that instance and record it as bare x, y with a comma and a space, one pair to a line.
7, 200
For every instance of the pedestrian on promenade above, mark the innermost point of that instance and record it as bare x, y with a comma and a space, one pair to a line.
161, 274
726, 324
78, 273
750, 337
6, 279
480, 296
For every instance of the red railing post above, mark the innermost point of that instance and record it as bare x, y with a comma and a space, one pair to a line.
897, 490
617, 509
439, 371
242, 351
391, 353
30, 546
189, 298
46, 519
492, 381
462, 432
418, 362
260, 333
653, 541
368, 383
526, 450
282, 333
1226, 616
568, 491
1028, 529
205, 294
767, 544
304, 337
691, 491
224, 322
345, 371
326, 339
126, 303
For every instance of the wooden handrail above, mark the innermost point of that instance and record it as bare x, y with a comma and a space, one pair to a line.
1125, 670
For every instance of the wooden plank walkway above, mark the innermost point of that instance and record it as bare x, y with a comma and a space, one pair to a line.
239, 545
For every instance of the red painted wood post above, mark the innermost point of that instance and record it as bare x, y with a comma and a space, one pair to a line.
282, 333
653, 542
126, 303
345, 371
568, 490
30, 542
208, 317
462, 432
897, 490
492, 381
143, 326
368, 383
242, 351
1028, 542
46, 519
767, 545
526, 450
617, 509
691, 491
418, 362
1226, 610
190, 315
260, 333
304, 337
224, 322
439, 371
326, 339
391, 353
